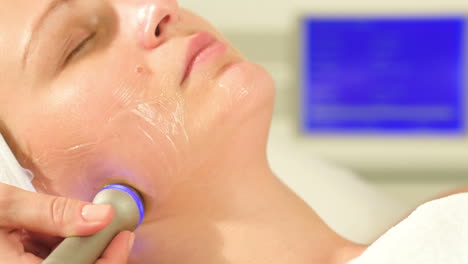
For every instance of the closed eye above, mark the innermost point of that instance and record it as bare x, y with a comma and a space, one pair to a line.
79, 48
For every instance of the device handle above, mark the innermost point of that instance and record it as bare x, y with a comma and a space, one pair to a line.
87, 250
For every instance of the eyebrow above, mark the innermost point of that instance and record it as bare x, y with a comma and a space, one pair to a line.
51, 8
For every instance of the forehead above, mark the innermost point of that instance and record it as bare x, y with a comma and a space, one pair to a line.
15, 21
16, 17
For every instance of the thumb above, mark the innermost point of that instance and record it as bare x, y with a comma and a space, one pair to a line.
52, 215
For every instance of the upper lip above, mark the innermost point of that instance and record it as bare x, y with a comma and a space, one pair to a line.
197, 43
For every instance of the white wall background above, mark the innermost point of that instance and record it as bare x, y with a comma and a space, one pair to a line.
280, 15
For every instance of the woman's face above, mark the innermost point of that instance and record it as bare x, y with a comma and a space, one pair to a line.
125, 91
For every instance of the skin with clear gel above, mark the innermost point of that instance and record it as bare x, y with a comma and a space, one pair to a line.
154, 94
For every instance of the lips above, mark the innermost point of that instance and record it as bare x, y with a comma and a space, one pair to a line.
197, 45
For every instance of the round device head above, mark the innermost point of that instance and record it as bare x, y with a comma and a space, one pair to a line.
133, 194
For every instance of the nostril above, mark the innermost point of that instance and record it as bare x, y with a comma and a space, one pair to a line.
158, 29
157, 33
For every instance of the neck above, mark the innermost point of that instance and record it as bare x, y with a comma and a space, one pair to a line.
238, 212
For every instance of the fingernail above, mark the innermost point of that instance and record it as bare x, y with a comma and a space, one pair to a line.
95, 212
131, 241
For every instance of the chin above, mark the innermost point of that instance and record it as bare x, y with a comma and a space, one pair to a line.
251, 89
247, 107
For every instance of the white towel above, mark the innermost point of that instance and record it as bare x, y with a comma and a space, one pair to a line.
436, 233
11, 171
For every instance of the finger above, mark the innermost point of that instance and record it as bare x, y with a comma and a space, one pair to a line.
33, 244
119, 249
12, 251
56, 216
28, 258
46, 240
10, 243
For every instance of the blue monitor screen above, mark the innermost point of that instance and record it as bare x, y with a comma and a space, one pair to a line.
401, 75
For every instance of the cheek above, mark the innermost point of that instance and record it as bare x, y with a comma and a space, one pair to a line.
77, 110
92, 133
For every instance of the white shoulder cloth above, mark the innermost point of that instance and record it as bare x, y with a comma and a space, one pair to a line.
437, 232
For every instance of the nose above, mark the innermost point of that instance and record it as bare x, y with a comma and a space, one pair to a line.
155, 19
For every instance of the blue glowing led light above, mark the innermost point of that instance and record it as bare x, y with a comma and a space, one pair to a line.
132, 194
